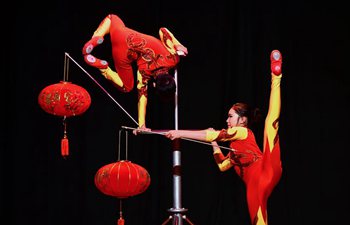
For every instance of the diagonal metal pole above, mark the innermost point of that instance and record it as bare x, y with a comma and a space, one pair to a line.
109, 95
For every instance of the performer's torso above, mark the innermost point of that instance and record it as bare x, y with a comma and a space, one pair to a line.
129, 45
247, 152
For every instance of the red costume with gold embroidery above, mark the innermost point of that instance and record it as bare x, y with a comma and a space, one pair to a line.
260, 170
153, 56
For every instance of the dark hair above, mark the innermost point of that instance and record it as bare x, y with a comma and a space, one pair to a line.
165, 86
243, 109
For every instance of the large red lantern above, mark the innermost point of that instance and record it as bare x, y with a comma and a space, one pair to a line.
64, 99
122, 179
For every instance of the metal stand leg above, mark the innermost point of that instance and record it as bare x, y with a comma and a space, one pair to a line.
187, 220
177, 219
167, 220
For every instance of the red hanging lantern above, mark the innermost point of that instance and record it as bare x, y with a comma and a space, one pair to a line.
122, 179
64, 99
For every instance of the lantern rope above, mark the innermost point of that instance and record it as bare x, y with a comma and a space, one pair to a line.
66, 68
64, 140
126, 144
102, 88
162, 132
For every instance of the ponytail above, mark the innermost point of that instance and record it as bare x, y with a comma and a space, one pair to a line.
253, 114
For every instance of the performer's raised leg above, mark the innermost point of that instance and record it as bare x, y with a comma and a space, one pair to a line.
272, 119
102, 65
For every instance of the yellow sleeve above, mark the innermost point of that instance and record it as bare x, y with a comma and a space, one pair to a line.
211, 135
224, 163
142, 99
231, 134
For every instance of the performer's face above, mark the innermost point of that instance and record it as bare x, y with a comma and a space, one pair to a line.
234, 120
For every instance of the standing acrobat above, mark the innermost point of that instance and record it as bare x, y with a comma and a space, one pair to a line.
260, 170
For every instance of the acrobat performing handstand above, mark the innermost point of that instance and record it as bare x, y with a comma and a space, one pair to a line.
155, 59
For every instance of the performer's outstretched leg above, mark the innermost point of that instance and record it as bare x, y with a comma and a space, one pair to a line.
270, 170
272, 119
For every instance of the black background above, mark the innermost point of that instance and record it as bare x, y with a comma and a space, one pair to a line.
229, 44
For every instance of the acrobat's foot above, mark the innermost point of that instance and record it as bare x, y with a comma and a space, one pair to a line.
276, 62
171, 43
181, 50
89, 46
95, 62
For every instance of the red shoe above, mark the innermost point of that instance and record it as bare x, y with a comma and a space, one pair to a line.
89, 46
95, 62
276, 62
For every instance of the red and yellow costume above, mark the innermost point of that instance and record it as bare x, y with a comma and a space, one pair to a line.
153, 57
260, 170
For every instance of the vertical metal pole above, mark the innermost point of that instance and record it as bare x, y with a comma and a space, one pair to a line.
176, 101
176, 156
177, 204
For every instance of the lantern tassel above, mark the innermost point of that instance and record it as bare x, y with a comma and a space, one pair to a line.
64, 146
121, 221
64, 141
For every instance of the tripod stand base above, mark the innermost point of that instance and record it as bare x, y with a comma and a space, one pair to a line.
177, 217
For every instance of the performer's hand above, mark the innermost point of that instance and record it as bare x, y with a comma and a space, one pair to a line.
141, 129
214, 144
172, 134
